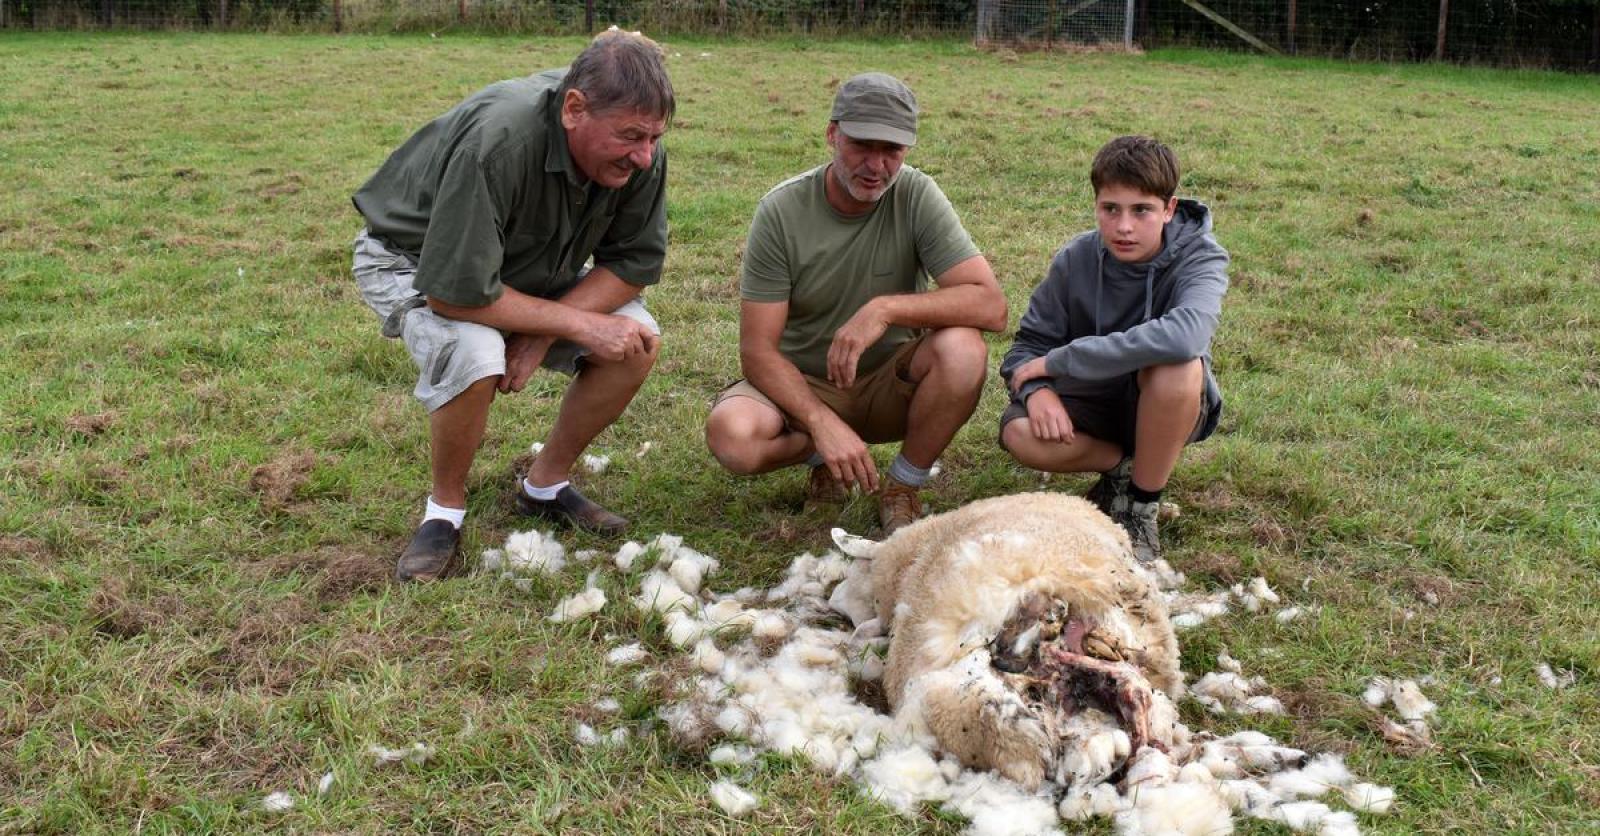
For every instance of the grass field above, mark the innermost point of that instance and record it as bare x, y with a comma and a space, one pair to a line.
208, 457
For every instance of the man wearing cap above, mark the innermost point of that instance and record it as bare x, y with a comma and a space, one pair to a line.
841, 340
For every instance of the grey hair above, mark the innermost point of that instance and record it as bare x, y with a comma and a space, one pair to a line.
622, 71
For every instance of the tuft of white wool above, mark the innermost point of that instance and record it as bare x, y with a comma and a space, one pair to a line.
525, 552
417, 753
1409, 702
1175, 810
1377, 692
1288, 614
731, 754
618, 736
325, 784
659, 592
727, 612
997, 807
536, 447
1554, 681
644, 449
707, 657
1262, 704
1150, 767
607, 706
628, 654
596, 464
1085, 802
683, 629
626, 554
579, 605
586, 735
1248, 797
904, 777
771, 625
1342, 823
585, 555
1300, 816
1322, 773
1369, 798
277, 802
733, 799
1229, 664
1259, 588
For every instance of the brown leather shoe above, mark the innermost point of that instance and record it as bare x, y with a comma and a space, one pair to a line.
571, 508
823, 489
898, 506
431, 554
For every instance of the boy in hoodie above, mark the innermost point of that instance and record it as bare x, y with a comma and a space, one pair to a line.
1111, 367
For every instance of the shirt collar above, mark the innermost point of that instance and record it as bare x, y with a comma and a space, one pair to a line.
558, 159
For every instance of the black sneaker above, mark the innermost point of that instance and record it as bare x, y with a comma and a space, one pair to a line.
571, 508
1110, 494
431, 554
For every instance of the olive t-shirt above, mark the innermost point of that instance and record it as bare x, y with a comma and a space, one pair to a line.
827, 265
487, 197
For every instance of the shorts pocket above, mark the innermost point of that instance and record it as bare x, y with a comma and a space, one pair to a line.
432, 341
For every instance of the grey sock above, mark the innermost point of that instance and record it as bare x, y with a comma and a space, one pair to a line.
907, 473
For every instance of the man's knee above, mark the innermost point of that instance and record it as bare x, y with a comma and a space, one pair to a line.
731, 437
960, 356
1175, 381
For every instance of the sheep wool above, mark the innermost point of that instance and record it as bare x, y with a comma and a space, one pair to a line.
732, 798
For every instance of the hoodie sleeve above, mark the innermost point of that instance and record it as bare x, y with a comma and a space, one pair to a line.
1043, 327
1182, 333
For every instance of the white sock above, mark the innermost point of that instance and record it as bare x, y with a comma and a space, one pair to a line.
435, 511
543, 494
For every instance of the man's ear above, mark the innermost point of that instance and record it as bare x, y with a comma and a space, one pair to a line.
833, 134
574, 106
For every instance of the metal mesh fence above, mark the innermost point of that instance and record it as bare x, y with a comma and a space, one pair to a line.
1562, 34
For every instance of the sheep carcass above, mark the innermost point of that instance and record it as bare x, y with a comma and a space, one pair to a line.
1027, 637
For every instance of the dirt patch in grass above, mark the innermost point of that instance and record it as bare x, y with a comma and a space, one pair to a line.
1225, 568
89, 426
26, 549
278, 481
258, 653
116, 611
335, 572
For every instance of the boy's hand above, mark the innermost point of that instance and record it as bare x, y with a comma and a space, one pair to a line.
1048, 417
1028, 371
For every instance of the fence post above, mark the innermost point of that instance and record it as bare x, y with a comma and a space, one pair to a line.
222, 14
338, 17
588, 16
1127, 25
461, 10
1292, 5
1438, 44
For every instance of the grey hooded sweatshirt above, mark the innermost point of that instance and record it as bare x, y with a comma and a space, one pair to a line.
1096, 319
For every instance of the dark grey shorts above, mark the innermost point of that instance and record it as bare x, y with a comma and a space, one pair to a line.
1109, 410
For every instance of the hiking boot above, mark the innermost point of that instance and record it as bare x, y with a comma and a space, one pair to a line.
1140, 521
431, 554
571, 508
1110, 494
898, 506
823, 489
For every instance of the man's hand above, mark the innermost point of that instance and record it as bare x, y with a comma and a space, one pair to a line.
851, 340
1028, 371
615, 338
844, 453
524, 353
1048, 417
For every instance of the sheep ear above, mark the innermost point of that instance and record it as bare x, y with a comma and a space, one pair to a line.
857, 547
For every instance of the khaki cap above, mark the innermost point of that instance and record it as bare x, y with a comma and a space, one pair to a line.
875, 106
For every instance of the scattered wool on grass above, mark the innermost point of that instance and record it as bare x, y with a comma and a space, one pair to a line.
1554, 681
996, 807
526, 552
607, 706
1322, 773
732, 798
417, 753
1175, 810
596, 464
628, 654
626, 554
277, 802
729, 754
586, 735
580, 605
325, 784
1369, 798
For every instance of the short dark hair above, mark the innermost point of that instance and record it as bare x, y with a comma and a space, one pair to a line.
622, 71
1137, 162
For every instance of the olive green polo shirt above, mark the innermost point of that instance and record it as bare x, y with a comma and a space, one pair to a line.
827, 265
487, 197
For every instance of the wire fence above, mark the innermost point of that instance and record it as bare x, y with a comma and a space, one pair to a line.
1561, 34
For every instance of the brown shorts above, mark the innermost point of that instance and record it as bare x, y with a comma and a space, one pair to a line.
875, 407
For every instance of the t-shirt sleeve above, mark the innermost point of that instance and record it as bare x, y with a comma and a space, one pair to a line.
765, 275
462, 250
942, 242
635, 245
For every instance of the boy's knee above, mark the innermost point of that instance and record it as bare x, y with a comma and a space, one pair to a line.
1185, 379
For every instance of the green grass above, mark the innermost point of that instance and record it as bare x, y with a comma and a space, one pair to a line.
208, 457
